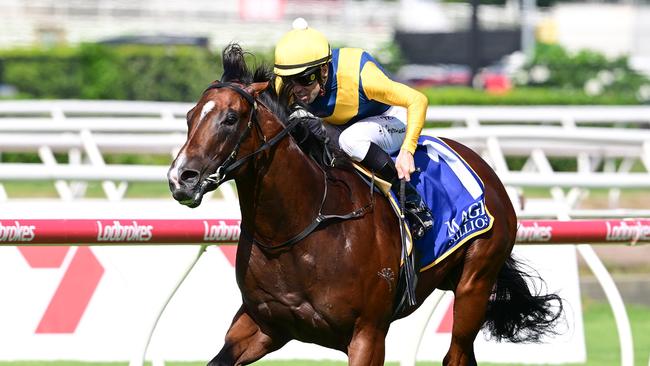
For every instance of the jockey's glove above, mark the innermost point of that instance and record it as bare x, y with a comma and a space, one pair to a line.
308, 120
299, 111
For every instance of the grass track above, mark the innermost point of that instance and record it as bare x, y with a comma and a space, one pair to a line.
598, 198
31, 189
600, 330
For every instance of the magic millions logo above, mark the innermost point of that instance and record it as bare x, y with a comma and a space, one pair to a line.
16, 232
471, 220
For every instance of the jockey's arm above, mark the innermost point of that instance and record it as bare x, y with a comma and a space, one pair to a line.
379, 87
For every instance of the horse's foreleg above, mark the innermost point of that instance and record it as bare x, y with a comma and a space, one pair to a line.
245, 342
472, 293
367, 347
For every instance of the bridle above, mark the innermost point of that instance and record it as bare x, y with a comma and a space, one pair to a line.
230, 164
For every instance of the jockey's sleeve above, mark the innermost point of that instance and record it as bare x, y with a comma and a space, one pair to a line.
377, 86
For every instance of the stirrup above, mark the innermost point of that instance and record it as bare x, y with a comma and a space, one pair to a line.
420, 221
419, 216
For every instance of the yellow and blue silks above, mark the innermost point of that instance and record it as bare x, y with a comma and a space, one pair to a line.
358, 87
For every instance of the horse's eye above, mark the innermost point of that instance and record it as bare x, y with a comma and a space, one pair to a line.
231, 119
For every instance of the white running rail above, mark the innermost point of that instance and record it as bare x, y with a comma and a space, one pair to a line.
605, 156
609, 145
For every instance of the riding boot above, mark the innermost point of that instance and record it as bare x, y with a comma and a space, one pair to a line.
417, 212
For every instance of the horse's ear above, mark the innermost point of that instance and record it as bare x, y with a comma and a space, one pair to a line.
256, 88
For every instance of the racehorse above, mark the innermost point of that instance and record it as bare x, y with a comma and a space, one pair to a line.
331, 280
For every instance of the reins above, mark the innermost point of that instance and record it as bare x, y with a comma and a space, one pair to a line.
230, 164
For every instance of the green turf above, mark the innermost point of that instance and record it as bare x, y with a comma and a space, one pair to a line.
45, 189
542, 192
630, 198
31, 189
600, 330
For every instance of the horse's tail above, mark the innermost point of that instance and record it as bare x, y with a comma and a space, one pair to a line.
517, 312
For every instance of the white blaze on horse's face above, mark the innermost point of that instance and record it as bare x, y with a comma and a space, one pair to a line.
173, 171
207, 108
173, 175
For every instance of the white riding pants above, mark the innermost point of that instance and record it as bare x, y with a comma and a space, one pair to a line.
386, 130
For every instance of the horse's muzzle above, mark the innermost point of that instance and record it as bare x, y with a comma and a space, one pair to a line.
191, 196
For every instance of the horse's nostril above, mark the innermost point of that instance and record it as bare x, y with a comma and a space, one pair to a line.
189, 176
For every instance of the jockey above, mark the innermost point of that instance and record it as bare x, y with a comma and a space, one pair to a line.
347, 88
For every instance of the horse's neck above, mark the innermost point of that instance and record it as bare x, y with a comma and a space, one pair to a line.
281, 192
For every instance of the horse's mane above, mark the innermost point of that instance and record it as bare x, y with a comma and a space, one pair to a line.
235, 69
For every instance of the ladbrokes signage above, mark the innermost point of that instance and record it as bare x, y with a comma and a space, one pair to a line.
634, 231
628, 231
115, 231
118, 232
220, 232
16, 232
534, 234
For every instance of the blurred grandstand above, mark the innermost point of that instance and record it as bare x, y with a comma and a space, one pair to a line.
253, 23
428, 32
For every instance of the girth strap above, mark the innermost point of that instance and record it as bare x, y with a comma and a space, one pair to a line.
320, 218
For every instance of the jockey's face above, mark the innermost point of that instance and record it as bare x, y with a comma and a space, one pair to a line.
306, 93
307, 90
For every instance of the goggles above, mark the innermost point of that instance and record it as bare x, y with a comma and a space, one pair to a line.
306, 79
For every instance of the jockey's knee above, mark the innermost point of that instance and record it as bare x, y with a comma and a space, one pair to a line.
353, 146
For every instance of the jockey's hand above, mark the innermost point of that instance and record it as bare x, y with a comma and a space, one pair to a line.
299, 111
404, 165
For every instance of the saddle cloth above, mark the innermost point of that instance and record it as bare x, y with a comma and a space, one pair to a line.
455, 195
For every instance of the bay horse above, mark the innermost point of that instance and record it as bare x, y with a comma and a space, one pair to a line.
330, 280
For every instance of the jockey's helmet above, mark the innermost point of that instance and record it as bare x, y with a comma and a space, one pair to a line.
300, 49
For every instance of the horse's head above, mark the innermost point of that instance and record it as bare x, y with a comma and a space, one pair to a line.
219, 127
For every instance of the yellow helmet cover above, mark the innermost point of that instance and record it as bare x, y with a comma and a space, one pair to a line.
299, 49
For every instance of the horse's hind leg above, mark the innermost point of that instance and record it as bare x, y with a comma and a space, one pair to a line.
367, 347
482, 263
245, 342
